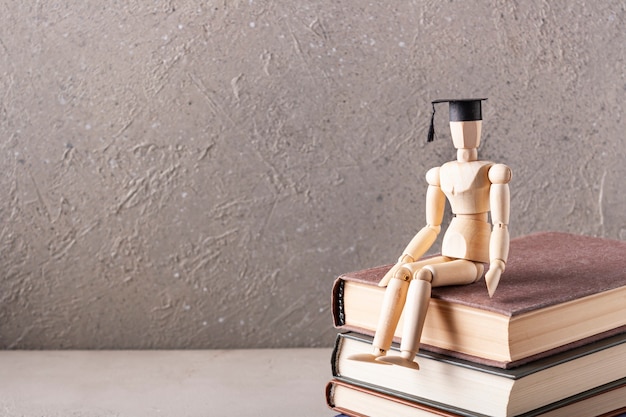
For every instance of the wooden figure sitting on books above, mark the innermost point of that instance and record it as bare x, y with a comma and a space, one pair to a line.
473, 188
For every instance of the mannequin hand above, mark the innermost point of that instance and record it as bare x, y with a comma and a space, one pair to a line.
385, 280
492, 278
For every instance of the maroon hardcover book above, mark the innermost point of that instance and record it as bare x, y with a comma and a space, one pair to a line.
544, 269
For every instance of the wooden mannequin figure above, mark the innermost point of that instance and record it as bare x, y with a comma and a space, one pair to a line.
473, 188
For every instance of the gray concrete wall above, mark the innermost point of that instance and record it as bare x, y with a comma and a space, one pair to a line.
192, 174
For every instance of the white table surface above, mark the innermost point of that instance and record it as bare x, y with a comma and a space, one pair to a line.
214, 383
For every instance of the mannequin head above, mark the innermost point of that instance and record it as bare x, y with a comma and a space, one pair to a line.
466, 135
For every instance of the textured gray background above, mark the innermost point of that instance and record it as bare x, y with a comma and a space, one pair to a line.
191, 174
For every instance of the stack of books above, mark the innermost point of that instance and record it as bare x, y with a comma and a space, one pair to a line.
551, 341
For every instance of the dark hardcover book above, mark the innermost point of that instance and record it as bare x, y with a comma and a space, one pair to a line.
559, 291
482, 389
359, 401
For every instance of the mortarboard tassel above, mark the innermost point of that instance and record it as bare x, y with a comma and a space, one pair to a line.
431, 129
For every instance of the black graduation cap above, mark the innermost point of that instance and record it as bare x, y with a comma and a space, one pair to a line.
461, 110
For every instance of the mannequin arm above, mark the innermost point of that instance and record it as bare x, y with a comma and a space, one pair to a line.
424, 239
499, 200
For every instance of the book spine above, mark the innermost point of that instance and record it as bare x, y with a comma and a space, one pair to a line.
337, 305
334, 359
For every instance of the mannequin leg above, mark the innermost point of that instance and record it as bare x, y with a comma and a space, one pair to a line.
393, 304
418, 298
449, 273
391, 309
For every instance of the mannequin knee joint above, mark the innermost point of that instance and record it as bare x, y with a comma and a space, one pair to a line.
403, 273
424, 274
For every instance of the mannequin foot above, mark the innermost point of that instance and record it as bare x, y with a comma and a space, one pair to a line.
369, 357
403, 360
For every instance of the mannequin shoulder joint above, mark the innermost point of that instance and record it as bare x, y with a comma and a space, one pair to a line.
499, 174
432, 177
